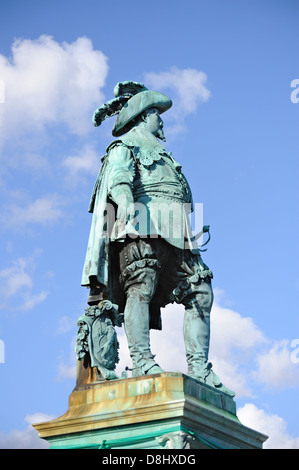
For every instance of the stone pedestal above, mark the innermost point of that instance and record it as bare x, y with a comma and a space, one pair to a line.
160, 411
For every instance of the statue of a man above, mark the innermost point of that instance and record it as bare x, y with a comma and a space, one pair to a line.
141, 253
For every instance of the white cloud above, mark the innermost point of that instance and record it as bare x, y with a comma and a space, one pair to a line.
231, 331
65, 371
235, 347
275, 367
233, 375
124, 356
269, 424
233, 340
17, 281
65, 324
188, 90
83, 163
235, 351
47, 82
26, 438
43, 210
167, 345
31, 300
15, 278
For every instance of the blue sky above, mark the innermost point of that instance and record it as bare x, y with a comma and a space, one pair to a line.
228, 67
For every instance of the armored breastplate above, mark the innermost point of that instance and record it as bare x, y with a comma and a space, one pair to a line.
158, 175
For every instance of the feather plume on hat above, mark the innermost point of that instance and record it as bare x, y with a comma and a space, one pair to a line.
123, 91
131, 99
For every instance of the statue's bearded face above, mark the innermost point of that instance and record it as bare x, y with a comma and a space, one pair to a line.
154, 123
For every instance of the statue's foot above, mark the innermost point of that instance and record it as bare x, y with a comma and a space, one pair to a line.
205, 374
156, 369
108, 374
147, 368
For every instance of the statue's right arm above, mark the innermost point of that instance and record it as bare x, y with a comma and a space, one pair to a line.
121, 170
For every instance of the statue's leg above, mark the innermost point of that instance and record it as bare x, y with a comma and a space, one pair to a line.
196, 326
195, 293
136, 320
140, 281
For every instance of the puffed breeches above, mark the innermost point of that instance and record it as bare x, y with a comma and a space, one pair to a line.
153, 270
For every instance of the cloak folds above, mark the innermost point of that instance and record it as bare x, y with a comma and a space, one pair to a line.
102, 260
119, 166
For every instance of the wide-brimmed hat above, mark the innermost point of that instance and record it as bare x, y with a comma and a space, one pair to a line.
131, 99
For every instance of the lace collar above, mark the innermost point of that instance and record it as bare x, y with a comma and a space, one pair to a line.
146, 146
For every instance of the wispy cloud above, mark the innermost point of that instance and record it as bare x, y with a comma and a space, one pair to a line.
66, 367
188, 89
26, 438
66, 371
16, 281
80, 165
31, 300
65, 325
43, 210
15, 277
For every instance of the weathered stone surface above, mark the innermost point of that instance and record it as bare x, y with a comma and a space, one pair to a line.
143, 412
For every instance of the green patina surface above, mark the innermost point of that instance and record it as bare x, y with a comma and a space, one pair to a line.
141, 256
154, 412
149, 438
141, 253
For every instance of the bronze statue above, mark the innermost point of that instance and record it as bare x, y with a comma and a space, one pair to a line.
141, 253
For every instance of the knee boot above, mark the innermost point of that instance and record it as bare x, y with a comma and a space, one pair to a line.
136, 317
196, 329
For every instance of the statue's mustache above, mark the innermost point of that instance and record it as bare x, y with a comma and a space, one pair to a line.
160, 134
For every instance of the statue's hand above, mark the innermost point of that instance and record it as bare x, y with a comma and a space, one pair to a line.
125, 210
123, 197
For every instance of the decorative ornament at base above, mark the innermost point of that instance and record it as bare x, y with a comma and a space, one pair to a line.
97, 337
